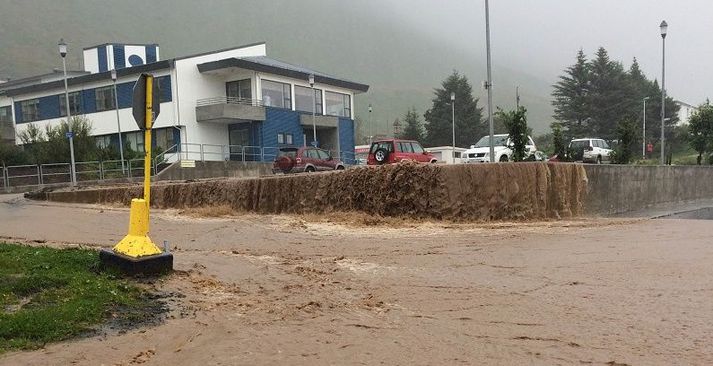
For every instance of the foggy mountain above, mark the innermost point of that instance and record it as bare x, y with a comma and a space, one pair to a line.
362, 41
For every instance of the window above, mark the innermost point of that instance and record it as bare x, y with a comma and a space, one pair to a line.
405, 147
457, 154
303, 99
6, 130
276, 94
324, 155
105, 98
288, 138
135, 140
103, 142
280, 138
241, 89
75, 102
164, 139
338, 104
417, 148
386, 145
30, 110
604, 144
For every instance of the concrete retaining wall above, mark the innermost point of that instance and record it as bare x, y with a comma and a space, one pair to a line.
215, 169
616, 189
468, 192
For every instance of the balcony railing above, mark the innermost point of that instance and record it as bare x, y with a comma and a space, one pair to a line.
229, 100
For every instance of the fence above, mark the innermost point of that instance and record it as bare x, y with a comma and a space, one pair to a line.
91, 171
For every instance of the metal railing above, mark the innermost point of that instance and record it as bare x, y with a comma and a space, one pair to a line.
88, 171
229, 100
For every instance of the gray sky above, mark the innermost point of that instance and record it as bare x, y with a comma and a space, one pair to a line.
541, 37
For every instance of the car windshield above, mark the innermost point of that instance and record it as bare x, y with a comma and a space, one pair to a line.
497, 140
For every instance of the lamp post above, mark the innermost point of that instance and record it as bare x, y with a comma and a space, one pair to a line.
643, 139
72, 168
453, 120
314, 111
371, 127
118, 123
664, 28
489, 83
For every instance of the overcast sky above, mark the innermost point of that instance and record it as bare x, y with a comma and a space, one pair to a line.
542, 36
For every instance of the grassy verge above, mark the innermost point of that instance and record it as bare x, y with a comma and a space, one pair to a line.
50, 294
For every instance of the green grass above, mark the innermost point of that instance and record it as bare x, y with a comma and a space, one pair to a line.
51, 294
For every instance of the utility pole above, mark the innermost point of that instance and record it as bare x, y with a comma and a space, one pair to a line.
517, 97
664, 28
489, 84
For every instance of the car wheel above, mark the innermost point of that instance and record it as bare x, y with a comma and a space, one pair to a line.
310, 169
381, 155
504, 159
434, 161
599, 159
340, 167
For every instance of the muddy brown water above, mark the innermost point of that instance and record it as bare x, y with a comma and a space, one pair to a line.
453, 192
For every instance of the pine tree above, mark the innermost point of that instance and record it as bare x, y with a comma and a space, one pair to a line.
610, 96
571, 96
516, 123
413, 129
468, 116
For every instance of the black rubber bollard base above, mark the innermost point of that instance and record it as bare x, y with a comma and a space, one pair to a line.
150, 265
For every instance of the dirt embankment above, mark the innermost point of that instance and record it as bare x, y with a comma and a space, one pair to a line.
454, 192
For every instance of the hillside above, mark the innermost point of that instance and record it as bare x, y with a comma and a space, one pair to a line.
401, 64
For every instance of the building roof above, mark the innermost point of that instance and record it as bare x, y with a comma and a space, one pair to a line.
272, 66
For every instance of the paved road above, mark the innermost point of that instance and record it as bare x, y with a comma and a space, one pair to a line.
302, 291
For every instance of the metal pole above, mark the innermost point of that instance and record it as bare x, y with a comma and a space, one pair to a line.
118, 126
453, 120
314, 112
643, 137
663, 98
147, 144
489, 83
72, 168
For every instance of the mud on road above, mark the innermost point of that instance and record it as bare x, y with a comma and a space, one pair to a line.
311, 290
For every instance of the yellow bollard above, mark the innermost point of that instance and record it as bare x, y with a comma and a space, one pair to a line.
137, 242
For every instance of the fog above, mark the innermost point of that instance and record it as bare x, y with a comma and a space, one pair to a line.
542, 37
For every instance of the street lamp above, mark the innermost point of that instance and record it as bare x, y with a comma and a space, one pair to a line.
453, 120
664, 28
70, 134
489, 83
118, 123
314, 110
643, 139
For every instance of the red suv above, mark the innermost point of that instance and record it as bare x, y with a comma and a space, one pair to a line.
304, 159
393, 150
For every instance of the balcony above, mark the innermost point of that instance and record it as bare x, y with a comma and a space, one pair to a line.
319, 120
229, 110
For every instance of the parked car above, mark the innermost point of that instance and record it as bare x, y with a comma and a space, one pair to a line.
389, 151
480, 152
590, 150
304, 159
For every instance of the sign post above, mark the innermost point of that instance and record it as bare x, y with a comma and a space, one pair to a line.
136, 253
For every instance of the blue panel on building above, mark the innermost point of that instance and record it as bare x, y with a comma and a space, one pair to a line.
49, 107
89, 102
177, 138
119, 56
150, 54
18, 113
164, 83
125, 94
279, 120
346, 140
101, 55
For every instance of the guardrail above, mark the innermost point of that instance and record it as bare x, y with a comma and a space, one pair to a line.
229, 100
88, 171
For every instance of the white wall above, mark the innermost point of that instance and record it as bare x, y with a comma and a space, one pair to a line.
192, 86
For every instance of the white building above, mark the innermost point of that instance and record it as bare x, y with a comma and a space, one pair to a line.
446, 154
221, 103
684, 112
